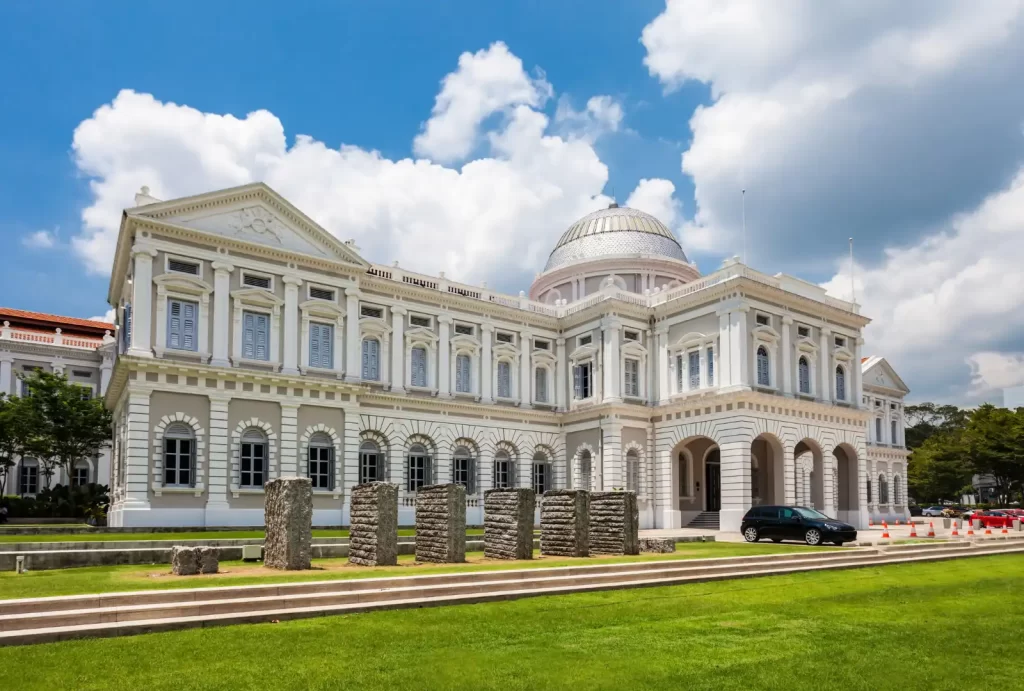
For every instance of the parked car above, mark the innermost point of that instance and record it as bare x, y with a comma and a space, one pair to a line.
932, 512
1015, 513
915, 510
778, 523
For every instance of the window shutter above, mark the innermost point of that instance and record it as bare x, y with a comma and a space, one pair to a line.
471, 476
248, 335
419, 366
262, 336
577, 381
127, 325
188, 325
326, 346
173, 324
711, 367
541, 384
314, 345
694, 363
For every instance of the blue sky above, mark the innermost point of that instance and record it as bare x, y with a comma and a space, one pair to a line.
899, 124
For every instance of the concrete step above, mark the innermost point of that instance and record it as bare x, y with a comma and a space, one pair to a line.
237, 605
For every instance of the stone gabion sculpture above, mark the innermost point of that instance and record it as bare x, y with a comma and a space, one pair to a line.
565, 523
441, 523
373, 525
614, 523
189, 561
288, 513
508, 523
657, 545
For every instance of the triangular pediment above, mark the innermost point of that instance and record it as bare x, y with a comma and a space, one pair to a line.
252, 214
877, 372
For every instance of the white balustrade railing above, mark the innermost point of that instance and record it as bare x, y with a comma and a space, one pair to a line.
56, 338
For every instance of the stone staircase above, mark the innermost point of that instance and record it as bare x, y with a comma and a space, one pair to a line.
49, 619
705, 520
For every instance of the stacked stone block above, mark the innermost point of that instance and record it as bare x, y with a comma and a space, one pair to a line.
658, 545
508, 523
288, 513
614, 523
373, 529
189, 561
565, 523
441, 523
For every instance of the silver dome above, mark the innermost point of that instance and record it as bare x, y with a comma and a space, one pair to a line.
614, 231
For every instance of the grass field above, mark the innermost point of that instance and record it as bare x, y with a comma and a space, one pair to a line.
895, 627
209, 535
108, 579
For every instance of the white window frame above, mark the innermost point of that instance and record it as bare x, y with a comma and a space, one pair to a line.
419, 315
807, 348
322, 312
464, 452
371, 327
842, 357
585, 355
543, 360
256, 274
633, 350
504, 352
175, 286
29, 463
321, 286
460, 344
256, 300
168, 258
679, 362
768, 338
421, 337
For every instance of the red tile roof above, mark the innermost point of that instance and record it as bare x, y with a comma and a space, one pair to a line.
40, 318
864, 359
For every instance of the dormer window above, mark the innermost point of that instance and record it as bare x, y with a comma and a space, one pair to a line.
631, 335
464, 329
370, 311
763, 320
585, 340
180, 266
502, 337
317, 293
803, 331
421, 321
257, 281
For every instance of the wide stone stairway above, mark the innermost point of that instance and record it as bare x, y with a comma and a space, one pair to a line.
60, 618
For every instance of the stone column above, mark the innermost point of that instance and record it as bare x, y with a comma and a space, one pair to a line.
614, 523
142, 302
444, 362
611, 329
288, 515
825, 362
858, 375
106, 370
6, 372
723, 351
828, 462
786, 355
888, 481
525, 370
353, 352
290, 463
441, 523
218, 460
291, 325
740, 353
221, 313
650, 369
373, 529
735, 483
565, 523
789, 491
508, 523
661, 360
136, 457
560, 365
613, 462
486, 366
398, 348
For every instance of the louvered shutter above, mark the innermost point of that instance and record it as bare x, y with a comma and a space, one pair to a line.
577, 381
541, 384
371, 351
188, 325
419, 367
262, 336
127, 325
711, 367
173, 324
694, 363
326, 346
504, 380
248, 335
314, 345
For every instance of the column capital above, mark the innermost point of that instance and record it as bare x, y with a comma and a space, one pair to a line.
222, 267
288, 405
444, 318
353, 292
291, 281
399, 310
611, 324
787, 320
826, 331
139, 249
560, 342
487, 327
660, 330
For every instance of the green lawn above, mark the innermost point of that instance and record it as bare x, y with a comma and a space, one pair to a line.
209, 535
895, 627
109, 579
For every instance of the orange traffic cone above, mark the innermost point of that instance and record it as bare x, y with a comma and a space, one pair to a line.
970, 528
885, 530
871, 522
897, 521
931, 528
1004, 531
988, 530
956, 532
913, 529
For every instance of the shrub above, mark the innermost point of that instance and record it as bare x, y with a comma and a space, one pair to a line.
62, 501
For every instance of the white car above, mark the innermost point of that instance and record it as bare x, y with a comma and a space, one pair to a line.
932, 512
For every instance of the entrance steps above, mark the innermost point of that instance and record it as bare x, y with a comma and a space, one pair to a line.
40, 620
705, 520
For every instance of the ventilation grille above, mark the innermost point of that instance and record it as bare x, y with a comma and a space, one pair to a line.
178, 266
321, 293
631, 335
367, 311
420, 321
542, 345
504, 338
464, 329
256, 281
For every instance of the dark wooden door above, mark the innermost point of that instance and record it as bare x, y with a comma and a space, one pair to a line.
713, 486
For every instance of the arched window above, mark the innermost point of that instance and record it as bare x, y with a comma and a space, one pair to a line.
371, 463
417, 468
632, 471
869, 490
840, 383
252, 458
764, 377
540, 384
504, 379
320, 457
463, 373
804, 375
503, 473
897, 490
883, 490
80, 474
179, 456
541, 473
464, 469
418, 366
28, 476
371, 359
584, 475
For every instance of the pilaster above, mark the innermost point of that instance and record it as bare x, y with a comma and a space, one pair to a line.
444, 384
525, 370
291, 324
6, 372
142, 302
825, 365
486, 363
398, 348
289, 462
218, 454
353, 366
614, 462
560, 367
661, 364
786, 355
612, 379
221, 313
137, 453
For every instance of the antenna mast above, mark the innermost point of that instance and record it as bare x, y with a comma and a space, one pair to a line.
743, 194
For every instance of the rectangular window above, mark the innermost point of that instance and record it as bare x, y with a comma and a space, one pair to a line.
253, 463
840, 342
631, 335
178, 462
878, 430
502, 474
371, 359
86, 393
373, 312
80, 476
419, 472
418, 366
255, 336
585, 340
417, 320
182, 267
257, 281
321, 345
711, 366
28, 481
542, 345
182, 327
462, 473
632, 472
541, 478
763, 320
582, 384
126, 326
803, 331
893, 438
320, 466
632, 377
693, 361
502, 337
370, 467
504, 380
316, 293
540, 385
464, 329
463, 374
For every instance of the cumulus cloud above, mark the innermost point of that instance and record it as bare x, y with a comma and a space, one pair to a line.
40, 240
107, 318
991, 372
603, 114
493, 218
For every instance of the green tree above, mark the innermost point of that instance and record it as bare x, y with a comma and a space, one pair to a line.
994, 445
927, 419
68, 425
15, 435
938, 468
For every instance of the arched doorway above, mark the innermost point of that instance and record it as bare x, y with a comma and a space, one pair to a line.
810, 474
767, 473
696, 484
846, 488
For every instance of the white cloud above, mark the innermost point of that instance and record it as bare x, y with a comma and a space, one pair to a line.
485, 82
991, 372
40, 240
493, 219
107, 318
603, 114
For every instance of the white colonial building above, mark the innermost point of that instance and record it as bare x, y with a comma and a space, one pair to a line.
884, 392
81, 349
254, 345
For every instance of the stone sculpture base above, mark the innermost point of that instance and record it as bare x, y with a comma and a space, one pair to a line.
441, 523
288, 513
565, 523
189, 561
373, 529
614, 523
508, 523
657, 545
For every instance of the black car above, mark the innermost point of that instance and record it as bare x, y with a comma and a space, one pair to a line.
778, 523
